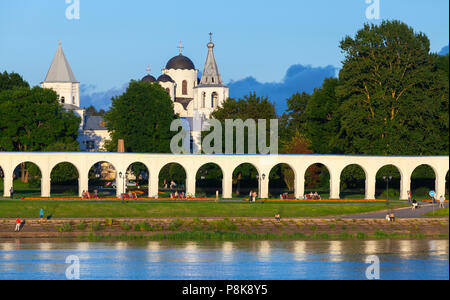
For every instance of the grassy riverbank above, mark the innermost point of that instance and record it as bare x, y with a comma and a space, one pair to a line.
227, 229
237, 236
93, 209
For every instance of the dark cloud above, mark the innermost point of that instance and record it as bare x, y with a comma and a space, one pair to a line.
298, 78
100, 100
444, 51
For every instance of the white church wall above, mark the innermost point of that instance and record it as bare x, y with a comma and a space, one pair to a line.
181, 75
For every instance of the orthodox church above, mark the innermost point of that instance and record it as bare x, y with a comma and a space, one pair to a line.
194, 98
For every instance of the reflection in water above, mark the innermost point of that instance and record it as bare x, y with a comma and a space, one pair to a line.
400, 259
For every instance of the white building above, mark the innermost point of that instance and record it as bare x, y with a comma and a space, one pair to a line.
194, 98
61, 79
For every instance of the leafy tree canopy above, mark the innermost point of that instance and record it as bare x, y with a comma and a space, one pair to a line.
142, 117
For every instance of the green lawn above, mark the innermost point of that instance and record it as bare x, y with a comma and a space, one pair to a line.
438, 213
92, 209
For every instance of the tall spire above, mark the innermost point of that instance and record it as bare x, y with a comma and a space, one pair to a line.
211, 73
60, 70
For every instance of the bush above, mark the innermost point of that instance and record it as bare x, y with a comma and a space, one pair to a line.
81, 226
393, 194
175, 224
96, 226
125, 226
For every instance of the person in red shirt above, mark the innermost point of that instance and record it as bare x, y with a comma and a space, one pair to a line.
18, 222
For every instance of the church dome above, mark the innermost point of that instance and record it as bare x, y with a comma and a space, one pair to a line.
165, 78
148, 78
180, 62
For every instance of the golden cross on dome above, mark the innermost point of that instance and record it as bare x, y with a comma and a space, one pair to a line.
181, 48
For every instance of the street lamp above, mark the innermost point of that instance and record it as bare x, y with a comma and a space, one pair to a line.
263, 177
122, 177
387, 179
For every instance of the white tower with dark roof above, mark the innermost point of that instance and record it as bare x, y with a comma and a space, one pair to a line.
61, 79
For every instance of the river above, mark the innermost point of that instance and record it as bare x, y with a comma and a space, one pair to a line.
244, 260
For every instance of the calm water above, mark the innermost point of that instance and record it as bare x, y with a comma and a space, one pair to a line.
399, 259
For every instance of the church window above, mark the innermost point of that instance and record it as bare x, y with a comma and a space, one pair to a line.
214, 100
204, 100
63, 100
212, 79
73, 100
184, 88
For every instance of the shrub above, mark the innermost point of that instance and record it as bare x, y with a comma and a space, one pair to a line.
81, 226
175, 224
125, 226
96, 226
109, 222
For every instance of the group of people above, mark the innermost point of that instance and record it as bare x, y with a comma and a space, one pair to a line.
177, 195
86, 194
21, 223
313, 196
252, 196
390, 217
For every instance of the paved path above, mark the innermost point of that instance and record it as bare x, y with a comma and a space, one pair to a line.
401, 213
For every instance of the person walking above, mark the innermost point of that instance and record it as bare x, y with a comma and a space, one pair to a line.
442, 202
41, 213
18, 222
11, 192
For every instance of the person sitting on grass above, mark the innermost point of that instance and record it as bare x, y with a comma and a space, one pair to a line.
415, 204
392, 217
278, 217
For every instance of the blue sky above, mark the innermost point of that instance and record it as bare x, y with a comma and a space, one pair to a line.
257, 41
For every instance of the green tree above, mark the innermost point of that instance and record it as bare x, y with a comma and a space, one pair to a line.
10, 81
323, 123
395, 97
142, 117
250, 107
295, 119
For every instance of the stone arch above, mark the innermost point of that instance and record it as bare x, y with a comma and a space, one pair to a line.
423, 180
353, 180
318, 179
64, 179
102, 177
394, 184
27, 176
209, 179
282, 179
137, 176
246, 179
2, 181
447, 183
172, 172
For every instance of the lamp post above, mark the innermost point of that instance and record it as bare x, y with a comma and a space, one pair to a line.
387, 179
263, 177
122, 177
